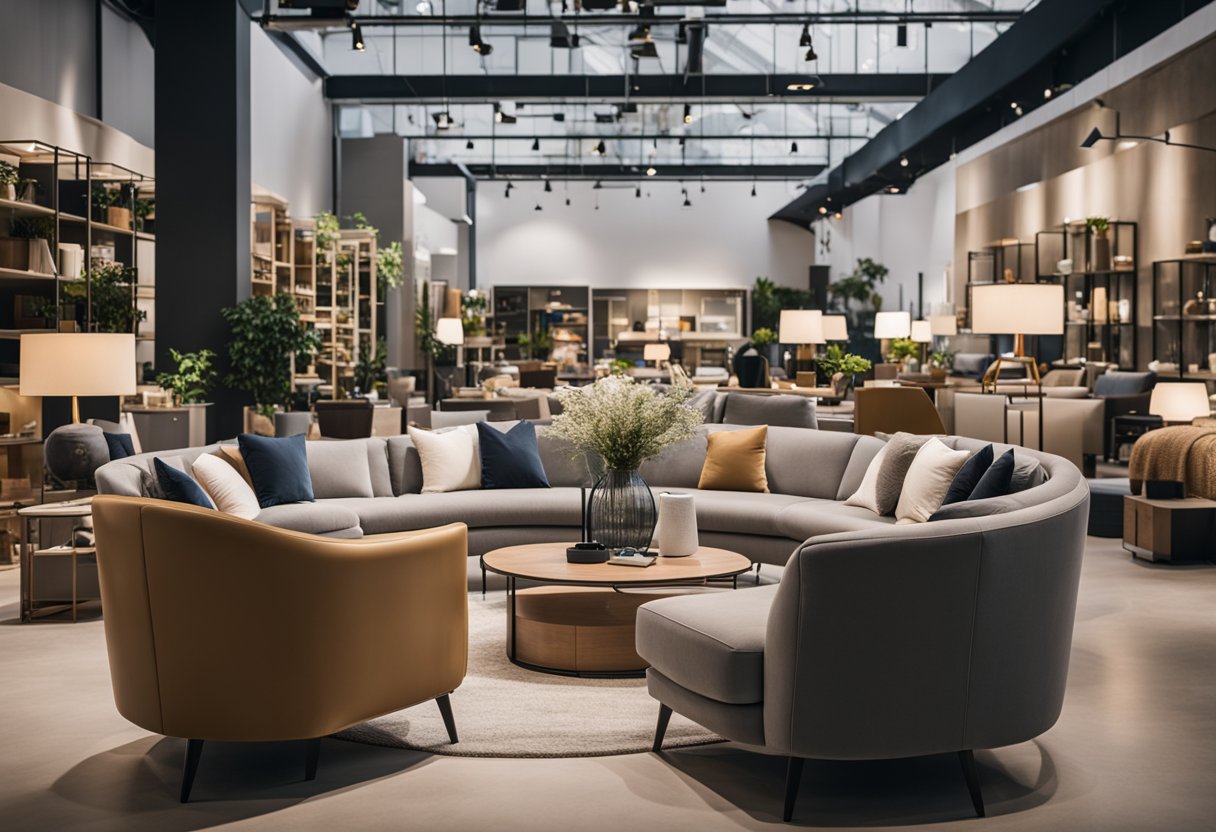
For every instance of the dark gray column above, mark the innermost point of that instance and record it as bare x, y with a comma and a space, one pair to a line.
202, 184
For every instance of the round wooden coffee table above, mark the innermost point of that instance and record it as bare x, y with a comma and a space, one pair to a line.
582, 622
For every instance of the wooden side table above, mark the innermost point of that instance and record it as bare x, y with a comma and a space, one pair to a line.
1176, 531
30, 552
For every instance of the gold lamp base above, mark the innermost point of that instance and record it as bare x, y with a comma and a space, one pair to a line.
988, 382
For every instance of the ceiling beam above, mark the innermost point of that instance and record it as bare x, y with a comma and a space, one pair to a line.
734, 88
607, 172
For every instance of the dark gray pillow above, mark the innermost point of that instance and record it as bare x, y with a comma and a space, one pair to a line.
706, 402
783, 410
901, 450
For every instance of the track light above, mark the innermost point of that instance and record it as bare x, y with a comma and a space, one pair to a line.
688, 114
567, 202
811, 55
356, 36
560, 37
548, 187
640, 32
893, 189
597, 186
687, 201
1093, 138
1047, 92
637, 192
903, 161
793, 147
443, 120
753, 189
650, 171
823, 209
538, 208
600, 149
468, 145
535, 145
478, 45
805, 39
839, 215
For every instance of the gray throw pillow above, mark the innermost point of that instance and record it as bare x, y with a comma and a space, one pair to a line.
901, 450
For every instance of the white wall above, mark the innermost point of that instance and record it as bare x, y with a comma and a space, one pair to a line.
909, 233
724, 241
292, 152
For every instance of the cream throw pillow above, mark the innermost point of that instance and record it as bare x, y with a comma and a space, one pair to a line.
866, 495
226, 488
451, 460
928, 479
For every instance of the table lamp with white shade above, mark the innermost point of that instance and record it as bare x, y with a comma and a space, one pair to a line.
804, 329
658, 353
449, 331
943, 325
835, 328
890, 325
1017, 309
921, 333
1180, 401
77, 364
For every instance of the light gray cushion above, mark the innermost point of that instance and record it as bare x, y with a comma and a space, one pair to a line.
339, 468
705, 401
712, 644
324, 518
509, 507
404, 466
377, 463
783, 410
810, 518
564, 466
901, 450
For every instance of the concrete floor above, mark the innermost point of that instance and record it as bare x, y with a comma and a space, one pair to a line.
1135, 749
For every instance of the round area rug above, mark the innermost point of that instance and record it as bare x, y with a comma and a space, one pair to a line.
503, 710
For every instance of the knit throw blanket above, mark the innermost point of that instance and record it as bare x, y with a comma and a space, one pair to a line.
1182, 454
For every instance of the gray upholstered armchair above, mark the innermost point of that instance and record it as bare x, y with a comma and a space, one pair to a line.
1123, 393
943, 637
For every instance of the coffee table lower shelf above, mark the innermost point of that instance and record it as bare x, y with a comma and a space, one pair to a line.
578, 631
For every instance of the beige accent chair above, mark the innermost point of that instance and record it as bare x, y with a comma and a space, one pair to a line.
1072, 428
223, 629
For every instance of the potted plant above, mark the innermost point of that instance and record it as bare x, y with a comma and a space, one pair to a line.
1100, 259
188, 386
842, 367
941, 363
619, 424
903, 351
535, 345
751, 364
859, 290
371, 370
389, 267
473, 306
266, 335
8, 181
113, 305
145, 210
618, 367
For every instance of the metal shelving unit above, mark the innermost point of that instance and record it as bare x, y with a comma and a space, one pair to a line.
1183, 318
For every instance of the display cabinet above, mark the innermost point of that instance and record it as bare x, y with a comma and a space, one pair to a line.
1184, 316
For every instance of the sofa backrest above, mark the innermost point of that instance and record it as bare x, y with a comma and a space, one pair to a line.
1124, 383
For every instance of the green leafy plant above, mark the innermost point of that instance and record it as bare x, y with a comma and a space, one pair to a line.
619, 366
622, 422
902, 348
536, 344
943, 359
371, 371
266, 333
110, 289
194, 377
424, 326
390, 266
768, 299
35, 228
328, 228
835, 360
473, 306
861, 285
144, 208
8, 174
763, 338
110, 195
1098, 225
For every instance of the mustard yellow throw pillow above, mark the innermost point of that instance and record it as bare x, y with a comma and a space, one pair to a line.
734, 461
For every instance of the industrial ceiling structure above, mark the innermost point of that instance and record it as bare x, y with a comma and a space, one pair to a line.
846, 98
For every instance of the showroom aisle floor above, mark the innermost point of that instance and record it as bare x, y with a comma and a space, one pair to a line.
1135, 749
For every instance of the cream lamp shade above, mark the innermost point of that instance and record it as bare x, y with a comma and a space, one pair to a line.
922, 332
892, 325
943, 324
1018, 309
1180, 401
449, 331
77, 364
835, 328
800, 326
656, 352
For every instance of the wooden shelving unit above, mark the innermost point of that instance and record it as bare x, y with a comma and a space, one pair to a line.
346, 307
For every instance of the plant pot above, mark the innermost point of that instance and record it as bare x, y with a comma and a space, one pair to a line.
937, 373
197, 420
1100, 260
752, 370
621, 511
8, 192
119, 217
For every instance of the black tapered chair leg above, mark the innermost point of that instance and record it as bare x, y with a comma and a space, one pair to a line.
793, 777
661, 729
312, 756
483, 581
194, 752
757, 574
449, 722
972, 774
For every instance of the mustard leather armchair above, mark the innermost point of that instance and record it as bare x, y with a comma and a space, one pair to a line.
219, 628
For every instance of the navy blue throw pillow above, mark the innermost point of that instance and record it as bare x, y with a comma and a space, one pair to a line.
997, 480
278, 467
179, 486
120, 445
511, 459
968, 477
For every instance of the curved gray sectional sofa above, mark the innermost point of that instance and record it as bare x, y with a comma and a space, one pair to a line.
810, 473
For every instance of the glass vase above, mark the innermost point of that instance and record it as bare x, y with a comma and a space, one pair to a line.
621, 510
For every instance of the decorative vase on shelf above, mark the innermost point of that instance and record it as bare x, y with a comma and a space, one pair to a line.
677, 529
1100, 260
621, 510
8, 191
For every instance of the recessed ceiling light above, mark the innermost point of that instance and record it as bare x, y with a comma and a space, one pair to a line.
651, 171
903, 161
823, 209
839, 215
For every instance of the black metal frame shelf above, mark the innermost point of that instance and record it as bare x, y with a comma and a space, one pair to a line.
1195, 277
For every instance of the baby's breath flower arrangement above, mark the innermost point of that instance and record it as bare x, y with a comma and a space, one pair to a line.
623, 422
